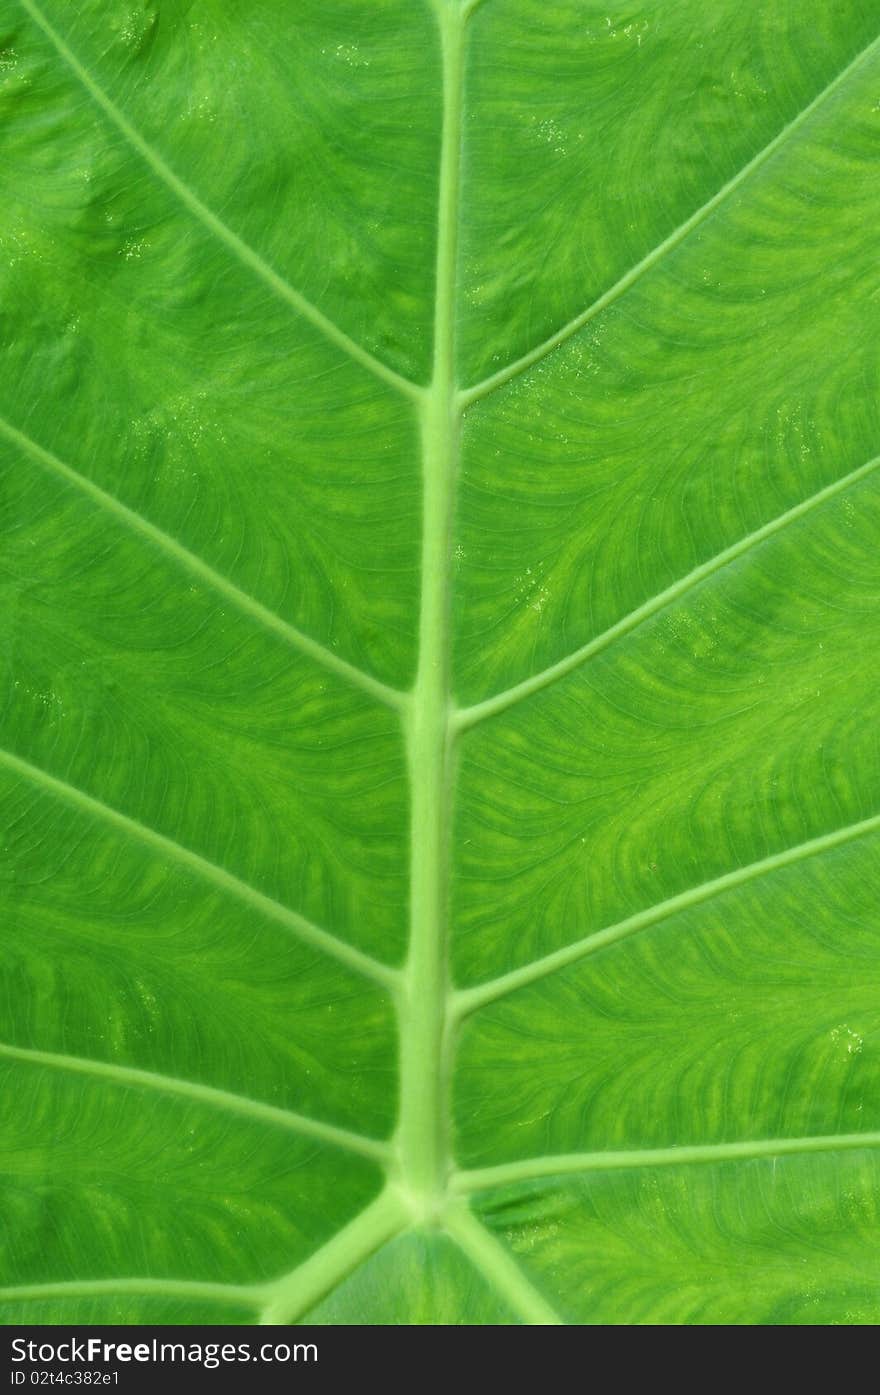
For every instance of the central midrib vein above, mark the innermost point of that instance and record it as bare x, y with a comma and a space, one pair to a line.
423, 1130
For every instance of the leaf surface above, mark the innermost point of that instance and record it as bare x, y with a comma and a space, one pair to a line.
439, 774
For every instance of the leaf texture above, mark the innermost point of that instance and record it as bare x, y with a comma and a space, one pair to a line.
439, 772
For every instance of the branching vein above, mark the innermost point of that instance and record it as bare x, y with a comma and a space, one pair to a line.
281, 1300
469, 716
245, 254
501, 1269
234, 1294
133, 1078
529, 1169
206, 574
471, 999
429, 1013
209, 871
635, 274
295, 1293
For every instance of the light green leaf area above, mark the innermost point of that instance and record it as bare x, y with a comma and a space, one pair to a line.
439, 758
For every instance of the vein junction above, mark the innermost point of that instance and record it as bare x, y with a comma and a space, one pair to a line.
131, 1077
206, 574
449, 14
422, 1186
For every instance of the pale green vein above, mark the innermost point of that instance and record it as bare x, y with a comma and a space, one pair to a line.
423, 1132
250, 1295
131, 1077
281, 1300
500, 1268
469, 716
240, 249
471, 999
529, 1169
303, 929
193, 564
520, 365
293, 1295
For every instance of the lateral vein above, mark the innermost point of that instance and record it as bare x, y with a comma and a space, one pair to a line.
250, 1294
295, 1293
225, 1100
530, 1169
181, 555
469, 1000
215, 225
470, 716
525, 361
303, 929
500, 1268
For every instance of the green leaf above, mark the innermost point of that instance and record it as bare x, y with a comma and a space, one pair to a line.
440, 779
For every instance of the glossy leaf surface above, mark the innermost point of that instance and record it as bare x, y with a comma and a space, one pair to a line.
439, 773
